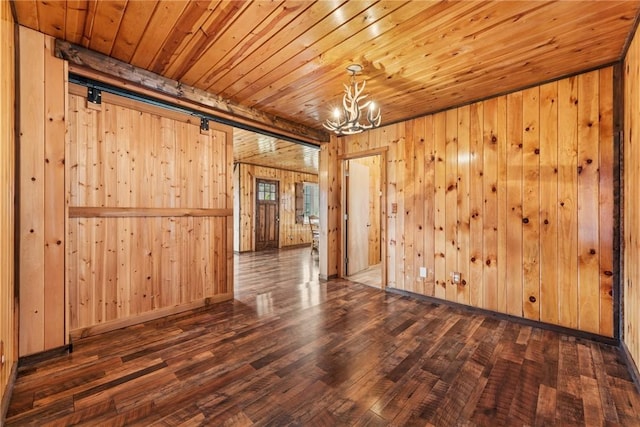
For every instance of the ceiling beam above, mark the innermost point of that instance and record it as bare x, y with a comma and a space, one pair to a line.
106, 66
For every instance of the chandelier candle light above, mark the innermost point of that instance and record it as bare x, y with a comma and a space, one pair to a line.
347, 121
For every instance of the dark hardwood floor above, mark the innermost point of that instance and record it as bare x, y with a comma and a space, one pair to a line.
292, 351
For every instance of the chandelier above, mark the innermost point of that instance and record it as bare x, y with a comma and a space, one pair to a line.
347, 120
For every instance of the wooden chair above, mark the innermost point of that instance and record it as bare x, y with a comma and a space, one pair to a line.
314, 226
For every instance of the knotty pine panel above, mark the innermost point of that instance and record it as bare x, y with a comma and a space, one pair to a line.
139, 265
548, 124
476, 204
406, 188
31, 186
290, 233
393, 135
122, 156
531, 203
440, 242
501, 188
607, 201
54, 175
491, 139
506, 183
567, 206
451, 200
463, 191
329, 182
41, 186
514, 205
588, 202
425, 198
631, 205
411, 204
7, 191
130, 31
151, 199
402, 200
385, 136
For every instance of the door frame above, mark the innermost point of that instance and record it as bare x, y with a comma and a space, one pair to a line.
255, 210
382, 152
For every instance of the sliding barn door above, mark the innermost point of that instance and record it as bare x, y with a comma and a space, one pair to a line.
150, 212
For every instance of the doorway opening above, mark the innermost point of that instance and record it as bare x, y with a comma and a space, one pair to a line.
363, 220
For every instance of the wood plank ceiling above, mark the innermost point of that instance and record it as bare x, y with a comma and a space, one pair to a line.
288, 58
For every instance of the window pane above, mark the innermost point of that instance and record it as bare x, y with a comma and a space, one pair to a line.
311, 199
260, 195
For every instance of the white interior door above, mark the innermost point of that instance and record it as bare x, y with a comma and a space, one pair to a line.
357, 218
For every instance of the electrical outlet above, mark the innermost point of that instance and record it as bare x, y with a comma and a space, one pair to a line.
423, 272
455, 277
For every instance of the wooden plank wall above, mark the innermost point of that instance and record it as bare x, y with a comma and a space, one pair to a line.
515, 193
150, 212
330, 253
236, 207
9, 345
290, 233
631, 204
41, 187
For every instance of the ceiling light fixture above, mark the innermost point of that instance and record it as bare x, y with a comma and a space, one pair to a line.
347, 120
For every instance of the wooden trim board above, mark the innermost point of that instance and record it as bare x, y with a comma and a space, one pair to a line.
85, 61
515, 319
8, 392
107, 212
145, 317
